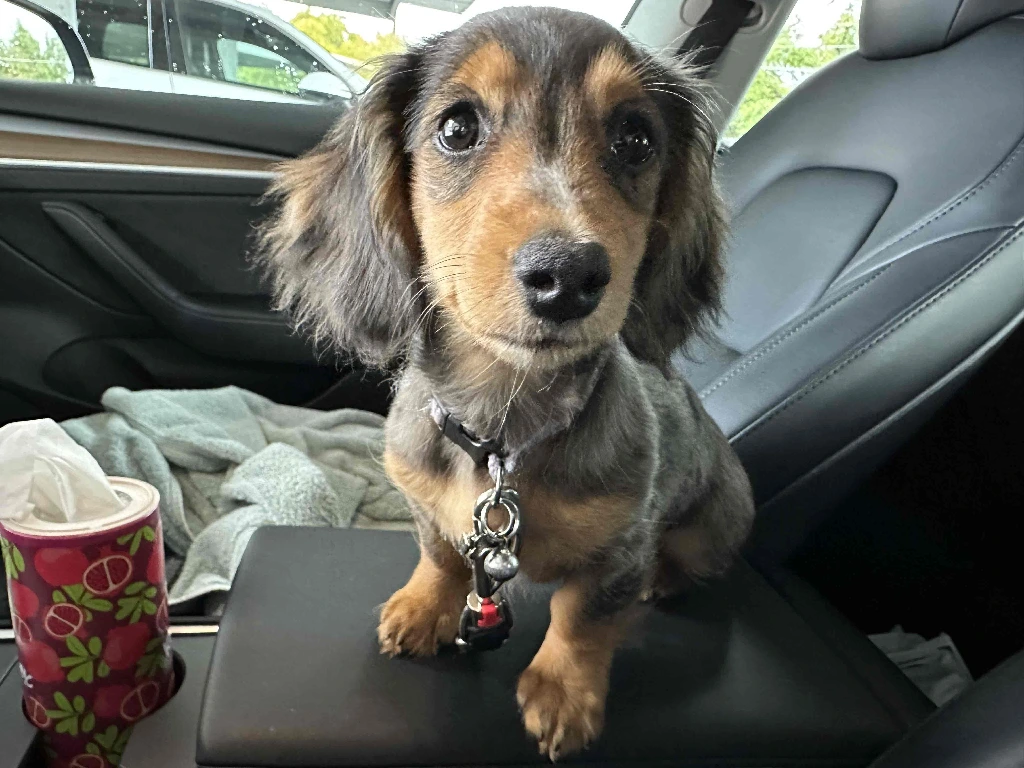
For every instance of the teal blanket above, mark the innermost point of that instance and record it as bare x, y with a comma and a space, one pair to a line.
227, 461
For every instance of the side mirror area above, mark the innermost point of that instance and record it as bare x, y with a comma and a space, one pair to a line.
323, 85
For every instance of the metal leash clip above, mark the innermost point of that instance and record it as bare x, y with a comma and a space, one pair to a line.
492, 556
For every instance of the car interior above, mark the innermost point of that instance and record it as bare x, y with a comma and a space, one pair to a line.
867, 370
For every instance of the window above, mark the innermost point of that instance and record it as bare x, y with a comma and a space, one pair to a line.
277, 44
30, 48
116, 30
264, 50
234, 46
357, 39
818, 31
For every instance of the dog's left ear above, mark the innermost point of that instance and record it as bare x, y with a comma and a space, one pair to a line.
677, 291
341, 250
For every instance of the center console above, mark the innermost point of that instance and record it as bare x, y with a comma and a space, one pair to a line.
742, 672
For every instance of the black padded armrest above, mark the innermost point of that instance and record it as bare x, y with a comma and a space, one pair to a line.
730, 676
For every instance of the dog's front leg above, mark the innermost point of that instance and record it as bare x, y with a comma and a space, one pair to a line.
562, 693
424, 614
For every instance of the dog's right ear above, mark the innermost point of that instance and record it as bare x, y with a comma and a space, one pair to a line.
341, 250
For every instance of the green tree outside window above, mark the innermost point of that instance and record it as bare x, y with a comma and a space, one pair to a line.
23, 57
785, 64
330, 32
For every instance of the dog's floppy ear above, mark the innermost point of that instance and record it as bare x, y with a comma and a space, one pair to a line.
340, 251
677, 292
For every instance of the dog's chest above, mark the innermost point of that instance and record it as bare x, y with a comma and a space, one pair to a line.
559, 533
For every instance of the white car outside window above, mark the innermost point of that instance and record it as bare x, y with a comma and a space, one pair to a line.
216, 48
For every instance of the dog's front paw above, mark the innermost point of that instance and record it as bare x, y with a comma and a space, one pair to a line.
564, 712
415, 622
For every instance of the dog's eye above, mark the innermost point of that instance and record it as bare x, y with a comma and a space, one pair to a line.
631, 143
459, 131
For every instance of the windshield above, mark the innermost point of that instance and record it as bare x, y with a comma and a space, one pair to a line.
355, 32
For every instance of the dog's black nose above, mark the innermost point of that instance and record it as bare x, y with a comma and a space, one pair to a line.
562, 280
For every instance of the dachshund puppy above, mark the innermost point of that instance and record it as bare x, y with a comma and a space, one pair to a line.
522, 210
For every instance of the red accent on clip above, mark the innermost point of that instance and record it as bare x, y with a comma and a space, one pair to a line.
488, 614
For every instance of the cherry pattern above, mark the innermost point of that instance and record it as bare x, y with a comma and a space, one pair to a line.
91, 625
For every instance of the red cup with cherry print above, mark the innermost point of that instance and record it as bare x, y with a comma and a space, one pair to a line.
89, 608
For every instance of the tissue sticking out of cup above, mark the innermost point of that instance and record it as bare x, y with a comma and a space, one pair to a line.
47, 479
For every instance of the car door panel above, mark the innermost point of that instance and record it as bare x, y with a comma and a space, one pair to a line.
215, 325
124, 253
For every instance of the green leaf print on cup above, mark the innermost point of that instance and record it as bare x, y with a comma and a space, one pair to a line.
82, 660
71, 716
111, 742
154, 660
138, 602
145, 532
14, 563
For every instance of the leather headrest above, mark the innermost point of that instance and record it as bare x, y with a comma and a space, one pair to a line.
893, 29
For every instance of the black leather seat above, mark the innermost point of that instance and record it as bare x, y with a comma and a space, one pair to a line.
876, 256
981, 729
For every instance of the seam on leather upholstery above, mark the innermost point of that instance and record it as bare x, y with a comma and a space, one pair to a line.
771, 344
952, 23
1006, 163
878, 690
935, 297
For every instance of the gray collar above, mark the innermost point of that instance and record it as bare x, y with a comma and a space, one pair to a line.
492, 452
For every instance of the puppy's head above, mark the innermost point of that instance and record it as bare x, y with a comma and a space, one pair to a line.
531, 178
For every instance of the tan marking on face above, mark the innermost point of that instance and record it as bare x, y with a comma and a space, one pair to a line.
469, 240
491, 72
470, 243
610, 80
562, 534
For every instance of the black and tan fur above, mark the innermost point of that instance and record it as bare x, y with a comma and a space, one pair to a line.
391, 248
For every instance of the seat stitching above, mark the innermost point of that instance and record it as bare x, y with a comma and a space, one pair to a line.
1006, 163
794, 399
772, 344
952, 23
776, 342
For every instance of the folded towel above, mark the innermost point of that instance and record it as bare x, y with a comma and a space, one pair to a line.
935, 666
227, 461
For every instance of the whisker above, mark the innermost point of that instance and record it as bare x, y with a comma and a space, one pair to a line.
684, 93
508, 407
484, 370
682, 98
